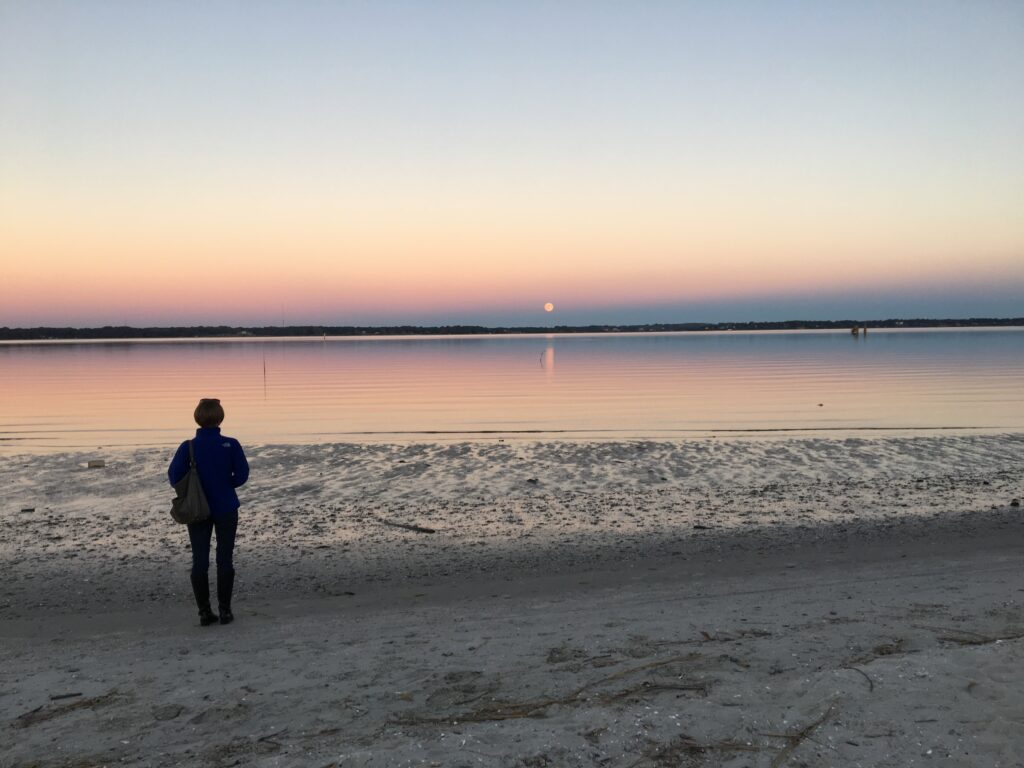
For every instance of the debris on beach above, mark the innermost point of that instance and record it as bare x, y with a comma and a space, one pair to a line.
405, 526
96, 464
41, 713
540, 623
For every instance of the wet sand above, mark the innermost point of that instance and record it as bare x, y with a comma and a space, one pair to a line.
741, 603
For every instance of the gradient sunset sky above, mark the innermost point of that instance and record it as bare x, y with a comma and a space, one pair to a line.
466, 162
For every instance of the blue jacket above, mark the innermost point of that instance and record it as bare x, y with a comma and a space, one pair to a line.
222, 468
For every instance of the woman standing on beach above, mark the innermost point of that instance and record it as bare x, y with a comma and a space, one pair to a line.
222, 468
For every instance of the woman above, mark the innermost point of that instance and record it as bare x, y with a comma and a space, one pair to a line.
222, 468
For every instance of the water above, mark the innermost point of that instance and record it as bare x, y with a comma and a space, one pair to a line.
58, 396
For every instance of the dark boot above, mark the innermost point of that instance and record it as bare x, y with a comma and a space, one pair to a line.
225, 584
201, 589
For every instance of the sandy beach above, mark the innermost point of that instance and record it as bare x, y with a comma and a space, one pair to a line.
745, 602
624, 385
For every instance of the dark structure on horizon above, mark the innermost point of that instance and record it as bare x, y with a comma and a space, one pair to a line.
226, 331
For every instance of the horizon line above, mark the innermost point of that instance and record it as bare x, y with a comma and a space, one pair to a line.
310, 329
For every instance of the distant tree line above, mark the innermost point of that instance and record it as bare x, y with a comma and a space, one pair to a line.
228, 331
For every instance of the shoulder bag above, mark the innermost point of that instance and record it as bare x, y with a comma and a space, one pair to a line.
190, 506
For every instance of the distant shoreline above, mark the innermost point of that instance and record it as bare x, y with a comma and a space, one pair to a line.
45, 333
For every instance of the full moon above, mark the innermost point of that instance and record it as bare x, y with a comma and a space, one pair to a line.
549, 307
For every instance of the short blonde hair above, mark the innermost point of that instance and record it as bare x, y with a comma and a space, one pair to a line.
209, 412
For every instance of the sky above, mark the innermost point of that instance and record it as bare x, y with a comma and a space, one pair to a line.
356, 163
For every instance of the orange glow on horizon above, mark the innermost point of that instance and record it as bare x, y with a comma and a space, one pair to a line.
344, 264
341, 163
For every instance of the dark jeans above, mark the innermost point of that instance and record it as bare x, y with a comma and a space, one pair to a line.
201, 533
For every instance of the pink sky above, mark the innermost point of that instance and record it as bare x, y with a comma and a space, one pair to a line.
344, 164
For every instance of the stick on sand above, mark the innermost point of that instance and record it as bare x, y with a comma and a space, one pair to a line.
406, 526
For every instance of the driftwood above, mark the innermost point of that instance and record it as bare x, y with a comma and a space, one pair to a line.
674, 752
797, 738
883, 649
42, 714
406, 526
648, 687
269, 738
536, 708
871, 683
967, 637
726, 637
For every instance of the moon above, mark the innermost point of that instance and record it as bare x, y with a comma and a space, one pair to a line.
549, 307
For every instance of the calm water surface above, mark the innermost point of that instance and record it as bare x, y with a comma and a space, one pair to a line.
90, 394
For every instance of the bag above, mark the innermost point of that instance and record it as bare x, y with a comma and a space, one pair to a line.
190, 506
